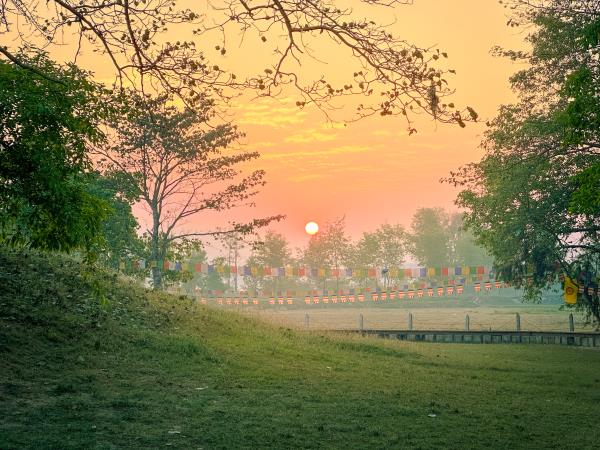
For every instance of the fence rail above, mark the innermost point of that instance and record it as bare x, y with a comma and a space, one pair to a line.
487, 337
510, 332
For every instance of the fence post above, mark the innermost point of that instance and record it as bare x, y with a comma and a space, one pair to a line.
467, 323
518, 322
306, 321
360, 322
571, 324
410, 321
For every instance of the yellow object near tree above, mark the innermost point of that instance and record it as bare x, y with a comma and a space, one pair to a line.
570, 294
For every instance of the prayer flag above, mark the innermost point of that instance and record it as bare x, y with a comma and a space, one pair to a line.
571, 289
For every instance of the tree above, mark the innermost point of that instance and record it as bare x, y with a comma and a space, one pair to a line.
430, 237
329, 248
393, 76
234, 243
384, 248
179, 168
532, 199
46, 128
272, 251
464, 250
192, 252
120, 238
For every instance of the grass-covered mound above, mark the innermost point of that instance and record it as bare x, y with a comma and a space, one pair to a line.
89, 360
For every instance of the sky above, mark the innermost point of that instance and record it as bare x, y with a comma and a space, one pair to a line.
371, 171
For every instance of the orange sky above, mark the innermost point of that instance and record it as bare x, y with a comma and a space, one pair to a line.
372, 171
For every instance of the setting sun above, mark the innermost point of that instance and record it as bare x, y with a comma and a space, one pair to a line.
311, 228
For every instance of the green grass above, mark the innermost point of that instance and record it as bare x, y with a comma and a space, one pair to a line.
142, 370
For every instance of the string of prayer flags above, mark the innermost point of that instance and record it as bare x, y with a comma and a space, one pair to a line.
322, 272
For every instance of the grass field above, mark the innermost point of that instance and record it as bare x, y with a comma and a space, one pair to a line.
90, 361
501, 318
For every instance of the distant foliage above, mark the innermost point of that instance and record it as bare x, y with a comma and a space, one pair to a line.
438, 238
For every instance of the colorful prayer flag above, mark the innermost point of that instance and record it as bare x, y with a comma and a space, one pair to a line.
570, 294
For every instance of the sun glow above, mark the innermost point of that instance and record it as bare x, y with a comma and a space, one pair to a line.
311, 228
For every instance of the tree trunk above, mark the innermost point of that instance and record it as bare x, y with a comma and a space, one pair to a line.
155, 250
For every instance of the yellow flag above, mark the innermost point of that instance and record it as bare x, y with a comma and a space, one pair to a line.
570, 291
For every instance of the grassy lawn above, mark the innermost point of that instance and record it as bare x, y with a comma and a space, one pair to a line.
153, 371
533, 317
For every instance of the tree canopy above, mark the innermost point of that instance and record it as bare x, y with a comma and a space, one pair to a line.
393, 76
179, 167
46, 128
532, 200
